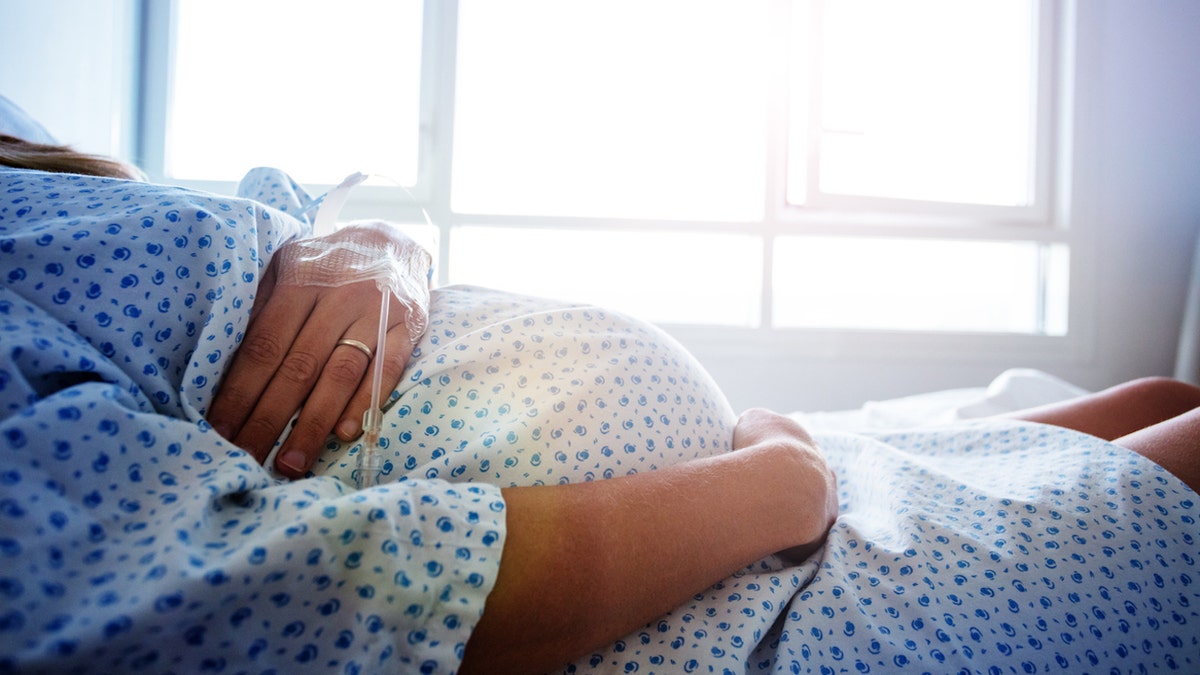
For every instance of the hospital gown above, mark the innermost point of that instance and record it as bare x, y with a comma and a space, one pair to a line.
134, 538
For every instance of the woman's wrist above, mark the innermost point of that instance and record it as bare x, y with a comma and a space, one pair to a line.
805, 499
794, 474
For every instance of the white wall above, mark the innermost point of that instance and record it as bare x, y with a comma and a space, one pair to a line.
1136, 191
1145, 179
69, 64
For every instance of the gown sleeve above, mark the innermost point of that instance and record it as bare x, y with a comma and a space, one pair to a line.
134, 538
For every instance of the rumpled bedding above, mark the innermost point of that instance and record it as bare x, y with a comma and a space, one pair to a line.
135, 539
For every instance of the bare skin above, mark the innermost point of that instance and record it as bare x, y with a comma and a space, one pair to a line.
586, 563
1156, 417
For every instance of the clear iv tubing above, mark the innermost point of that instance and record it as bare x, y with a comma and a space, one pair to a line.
369, 465
370, 461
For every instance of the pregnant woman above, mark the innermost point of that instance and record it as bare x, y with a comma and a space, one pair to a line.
565, 488
138, 538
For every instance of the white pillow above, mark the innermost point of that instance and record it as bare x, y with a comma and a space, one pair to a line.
16, 122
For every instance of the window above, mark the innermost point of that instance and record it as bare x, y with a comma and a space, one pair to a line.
774, 165
295, 85
926, 100
919, 284
630, 109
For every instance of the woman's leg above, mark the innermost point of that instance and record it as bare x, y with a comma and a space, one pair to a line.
1156, 417
1120, 410
1173, 444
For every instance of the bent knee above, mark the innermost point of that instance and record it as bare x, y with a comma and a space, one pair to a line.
1163, 393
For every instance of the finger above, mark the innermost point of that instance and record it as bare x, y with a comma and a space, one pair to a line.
398, 349
289, 385
267, 341
340, 311
347, 373
344, 371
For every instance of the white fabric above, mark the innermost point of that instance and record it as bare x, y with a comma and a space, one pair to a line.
1014, 389
16, 122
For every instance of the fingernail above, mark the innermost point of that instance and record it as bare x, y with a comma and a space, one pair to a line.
291, 462
348, 430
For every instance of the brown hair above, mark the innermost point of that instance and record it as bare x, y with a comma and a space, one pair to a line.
22, 154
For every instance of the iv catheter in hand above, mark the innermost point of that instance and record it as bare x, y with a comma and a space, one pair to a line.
399, 269
370, 461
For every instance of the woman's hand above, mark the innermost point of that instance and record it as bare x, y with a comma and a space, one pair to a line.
809, 474
291, 358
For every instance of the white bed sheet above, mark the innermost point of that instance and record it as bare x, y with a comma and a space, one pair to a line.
1014, 389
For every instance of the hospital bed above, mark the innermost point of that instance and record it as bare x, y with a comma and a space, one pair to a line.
964, 544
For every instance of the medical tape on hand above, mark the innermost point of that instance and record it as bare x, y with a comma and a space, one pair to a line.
371, 250
361, 251
329, 205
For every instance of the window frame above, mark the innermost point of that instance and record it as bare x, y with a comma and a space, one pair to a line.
1048, 27
1046, 221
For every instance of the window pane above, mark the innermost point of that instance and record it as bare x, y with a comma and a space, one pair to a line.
928, 100
1058, 282
611, 108
318, 90
896, 284
666, 277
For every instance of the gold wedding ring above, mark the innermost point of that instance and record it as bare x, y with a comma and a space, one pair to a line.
360, 346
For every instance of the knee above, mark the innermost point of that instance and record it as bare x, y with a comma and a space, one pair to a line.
1163, 393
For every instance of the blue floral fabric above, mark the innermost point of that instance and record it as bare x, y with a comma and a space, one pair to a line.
994, 547
999, 547
133, 538
513, 390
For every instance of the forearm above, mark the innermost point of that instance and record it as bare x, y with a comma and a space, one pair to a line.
585, 564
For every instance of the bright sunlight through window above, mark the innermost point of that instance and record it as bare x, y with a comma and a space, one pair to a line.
899, 284
296, 85
778, 164
625, 109
923, 100
567, 265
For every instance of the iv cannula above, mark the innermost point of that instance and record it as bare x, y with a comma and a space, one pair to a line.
370, 463
370, 460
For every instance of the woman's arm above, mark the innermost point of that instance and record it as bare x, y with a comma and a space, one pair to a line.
584, 564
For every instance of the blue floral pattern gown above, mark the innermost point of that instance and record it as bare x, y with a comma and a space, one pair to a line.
133, 538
